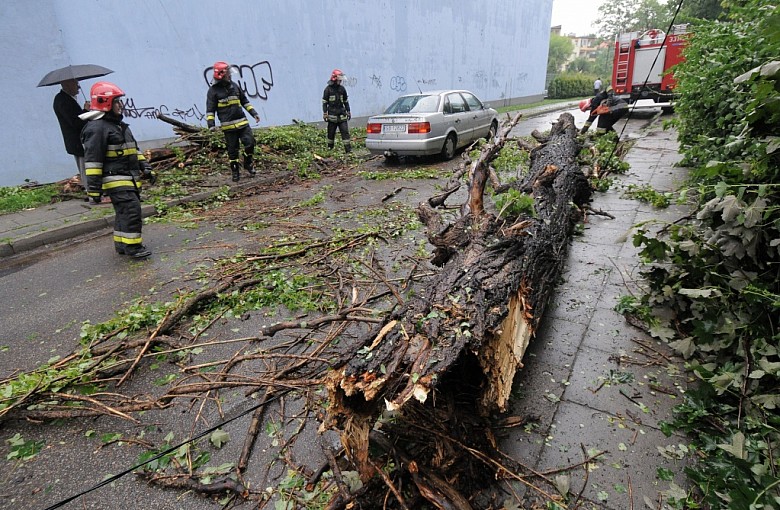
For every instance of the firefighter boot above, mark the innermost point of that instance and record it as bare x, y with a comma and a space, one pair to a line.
235, 168
138, 252
347, 147
331, 143
248, 166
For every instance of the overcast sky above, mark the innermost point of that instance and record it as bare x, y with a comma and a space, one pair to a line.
575, 15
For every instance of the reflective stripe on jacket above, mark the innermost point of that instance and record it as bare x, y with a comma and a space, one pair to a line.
226, 101
111, 156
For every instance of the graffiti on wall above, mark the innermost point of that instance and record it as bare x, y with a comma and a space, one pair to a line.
256, 80
398, 83
131, 111
376, 81
480, 80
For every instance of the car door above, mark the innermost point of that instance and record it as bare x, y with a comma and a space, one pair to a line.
479, 118
458, 117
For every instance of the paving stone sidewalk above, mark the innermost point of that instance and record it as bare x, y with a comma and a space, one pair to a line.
596, 383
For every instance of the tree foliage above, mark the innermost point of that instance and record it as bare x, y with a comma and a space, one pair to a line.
616, 16
699, 10
720, 275
560, 49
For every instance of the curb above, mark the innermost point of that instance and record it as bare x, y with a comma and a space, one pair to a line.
56, 235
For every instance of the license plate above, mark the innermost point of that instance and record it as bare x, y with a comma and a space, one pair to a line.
394, 128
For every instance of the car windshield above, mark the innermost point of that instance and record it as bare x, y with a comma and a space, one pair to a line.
414, 104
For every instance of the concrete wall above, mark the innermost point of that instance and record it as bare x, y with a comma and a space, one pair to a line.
162, 51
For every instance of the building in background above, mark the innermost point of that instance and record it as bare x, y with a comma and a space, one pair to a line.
162, 52
584, 46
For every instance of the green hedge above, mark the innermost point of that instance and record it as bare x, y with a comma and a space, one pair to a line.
568, 85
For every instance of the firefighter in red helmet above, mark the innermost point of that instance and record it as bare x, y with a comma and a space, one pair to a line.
226, 100
335, 110
114, 166
608, 107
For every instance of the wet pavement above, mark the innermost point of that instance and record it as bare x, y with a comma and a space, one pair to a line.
593, 390
598, 386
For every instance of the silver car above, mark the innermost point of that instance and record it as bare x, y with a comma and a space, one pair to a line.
438, 122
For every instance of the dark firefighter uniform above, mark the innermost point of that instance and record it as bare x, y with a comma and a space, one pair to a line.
617, 109
335, 110
114, 166
226, 100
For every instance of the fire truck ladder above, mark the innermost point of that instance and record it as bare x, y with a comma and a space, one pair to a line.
621, 74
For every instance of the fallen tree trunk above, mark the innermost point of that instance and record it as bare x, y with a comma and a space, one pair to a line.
188, 128
472, 325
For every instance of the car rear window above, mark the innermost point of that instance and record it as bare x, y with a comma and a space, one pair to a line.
414, 104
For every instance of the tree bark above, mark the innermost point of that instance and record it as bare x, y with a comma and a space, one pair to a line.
189, 128
483, 307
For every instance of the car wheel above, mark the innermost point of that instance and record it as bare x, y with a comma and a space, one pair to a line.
448, 150
492, 131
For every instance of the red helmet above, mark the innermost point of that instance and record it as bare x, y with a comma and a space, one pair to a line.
336, 74
585, 105
102, 95
221, 69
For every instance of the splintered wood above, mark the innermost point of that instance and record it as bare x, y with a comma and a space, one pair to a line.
471, 326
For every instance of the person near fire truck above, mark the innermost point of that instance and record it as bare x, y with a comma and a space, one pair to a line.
335, 110
114, 166
597, 86
605, 105
227, 101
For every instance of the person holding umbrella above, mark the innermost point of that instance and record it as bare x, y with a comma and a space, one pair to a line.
67, 109
113, 162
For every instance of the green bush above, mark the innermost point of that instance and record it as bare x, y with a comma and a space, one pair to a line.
568, 85
719, 273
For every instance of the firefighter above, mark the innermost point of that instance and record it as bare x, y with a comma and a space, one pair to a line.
114, 166
227, 101
607, 107
335, 110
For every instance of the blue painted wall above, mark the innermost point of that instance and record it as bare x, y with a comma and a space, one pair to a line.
162, 51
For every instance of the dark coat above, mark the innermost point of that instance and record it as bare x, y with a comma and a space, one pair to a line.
68, 110
335, 103
617, 109
225, 100
111, 156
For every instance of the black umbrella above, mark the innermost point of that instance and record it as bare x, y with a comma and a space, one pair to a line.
77, 72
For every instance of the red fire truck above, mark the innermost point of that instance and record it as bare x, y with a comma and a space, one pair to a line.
642, 61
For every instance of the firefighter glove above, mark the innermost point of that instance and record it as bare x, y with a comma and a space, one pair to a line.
602, 109
148, 173
324, 116
349, 115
